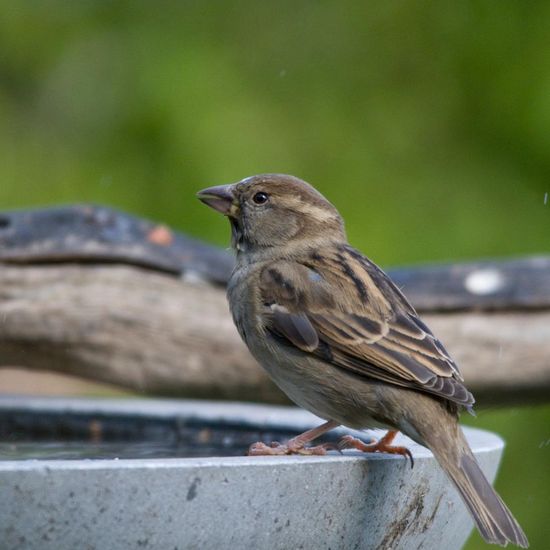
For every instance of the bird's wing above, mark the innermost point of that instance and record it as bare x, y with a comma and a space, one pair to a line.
344, 309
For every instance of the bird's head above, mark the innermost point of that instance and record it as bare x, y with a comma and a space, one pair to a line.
271, 210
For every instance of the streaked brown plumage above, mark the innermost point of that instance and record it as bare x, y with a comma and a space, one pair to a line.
341, 340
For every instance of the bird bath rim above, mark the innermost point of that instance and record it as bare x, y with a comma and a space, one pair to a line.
334, 501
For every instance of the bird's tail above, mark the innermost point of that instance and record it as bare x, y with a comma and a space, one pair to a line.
492, 517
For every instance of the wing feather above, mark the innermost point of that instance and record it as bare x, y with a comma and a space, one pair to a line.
371, 331
296, 328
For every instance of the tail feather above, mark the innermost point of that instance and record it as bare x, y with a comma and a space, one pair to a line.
492, 517
495, 522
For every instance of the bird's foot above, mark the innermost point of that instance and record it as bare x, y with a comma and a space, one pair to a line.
291, 448
297, 445
383, 445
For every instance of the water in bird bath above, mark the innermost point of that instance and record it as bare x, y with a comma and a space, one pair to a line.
63, 436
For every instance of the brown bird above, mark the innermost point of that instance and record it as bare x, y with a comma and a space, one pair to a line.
341, 340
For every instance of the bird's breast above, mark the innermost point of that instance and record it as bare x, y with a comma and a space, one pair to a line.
311, 383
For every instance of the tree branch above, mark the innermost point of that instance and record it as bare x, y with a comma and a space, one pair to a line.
154, 333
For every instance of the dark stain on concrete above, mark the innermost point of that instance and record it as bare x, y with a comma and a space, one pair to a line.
400, 526
192, 492
428, 522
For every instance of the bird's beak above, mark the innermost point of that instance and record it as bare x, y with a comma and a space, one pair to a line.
220, 198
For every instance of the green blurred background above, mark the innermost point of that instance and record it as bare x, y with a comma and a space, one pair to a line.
427, 124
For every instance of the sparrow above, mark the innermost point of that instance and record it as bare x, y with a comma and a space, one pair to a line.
342, 341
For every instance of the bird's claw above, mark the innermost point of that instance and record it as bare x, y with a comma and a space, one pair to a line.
277, 449
380, 446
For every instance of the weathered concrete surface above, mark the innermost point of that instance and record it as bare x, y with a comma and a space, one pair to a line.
337, 502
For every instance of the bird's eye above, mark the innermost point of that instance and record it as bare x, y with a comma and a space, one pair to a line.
260, 197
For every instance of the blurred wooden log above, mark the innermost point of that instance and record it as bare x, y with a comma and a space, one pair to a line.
102, 235
143, 330
87, 233
95, 292
157, 334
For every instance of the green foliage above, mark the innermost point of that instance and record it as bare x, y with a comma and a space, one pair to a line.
427, 124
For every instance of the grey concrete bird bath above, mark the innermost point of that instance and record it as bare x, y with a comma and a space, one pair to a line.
162, 477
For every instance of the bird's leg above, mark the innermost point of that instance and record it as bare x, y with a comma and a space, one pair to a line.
383, 445
296, 445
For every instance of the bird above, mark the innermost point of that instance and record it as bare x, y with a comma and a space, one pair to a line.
341, 340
